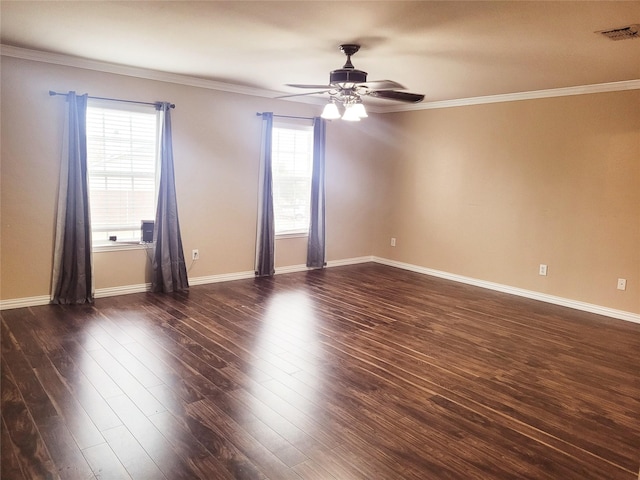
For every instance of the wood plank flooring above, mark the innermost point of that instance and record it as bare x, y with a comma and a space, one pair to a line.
359, 372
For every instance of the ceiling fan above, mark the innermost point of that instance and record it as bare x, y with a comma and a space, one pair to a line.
347, 86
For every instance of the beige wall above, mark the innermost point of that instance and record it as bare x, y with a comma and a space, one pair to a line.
492, 191
487, 191
216, 139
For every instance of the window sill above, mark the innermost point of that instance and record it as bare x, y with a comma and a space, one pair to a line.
117, 246
291, 235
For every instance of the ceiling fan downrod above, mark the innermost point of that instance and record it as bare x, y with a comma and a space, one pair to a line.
348, 74
349, 49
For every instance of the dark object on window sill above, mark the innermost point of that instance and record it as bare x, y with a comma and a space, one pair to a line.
147, 227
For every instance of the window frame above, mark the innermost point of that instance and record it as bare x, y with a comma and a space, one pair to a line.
135, 242
300, 125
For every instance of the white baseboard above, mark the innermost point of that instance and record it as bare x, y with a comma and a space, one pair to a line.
292, 269
520, 292
124, 290
350, 261
145, 287
227, 277
223, 277
24, 302
332, 263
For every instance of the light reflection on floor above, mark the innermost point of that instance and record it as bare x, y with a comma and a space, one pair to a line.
288, 343
116, 383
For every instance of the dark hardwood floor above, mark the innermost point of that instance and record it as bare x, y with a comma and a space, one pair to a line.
360, 372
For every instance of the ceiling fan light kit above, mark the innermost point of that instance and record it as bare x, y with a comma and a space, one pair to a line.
350, 114
331, 111
348, 85
359, 109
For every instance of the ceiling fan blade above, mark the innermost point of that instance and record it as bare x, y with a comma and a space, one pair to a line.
298, 85
301, 94
399, 96
382, 85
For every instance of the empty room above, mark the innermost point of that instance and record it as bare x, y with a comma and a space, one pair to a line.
320, 240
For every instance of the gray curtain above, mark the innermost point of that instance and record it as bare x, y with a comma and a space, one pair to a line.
265, 241
316, 244
72, 278
169, 271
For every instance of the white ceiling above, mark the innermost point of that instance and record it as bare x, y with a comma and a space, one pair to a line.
446, 50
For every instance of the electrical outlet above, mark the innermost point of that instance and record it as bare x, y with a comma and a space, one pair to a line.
622, 284
393, 241
543, 270
195, 254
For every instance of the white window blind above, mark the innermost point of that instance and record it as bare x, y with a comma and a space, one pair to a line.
292, 165
122, 162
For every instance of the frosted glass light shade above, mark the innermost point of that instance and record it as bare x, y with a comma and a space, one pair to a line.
359, 110
330, 111
351, 115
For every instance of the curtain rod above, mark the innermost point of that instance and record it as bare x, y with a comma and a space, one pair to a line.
259, 114
52, 93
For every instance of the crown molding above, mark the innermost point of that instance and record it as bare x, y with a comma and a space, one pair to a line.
513, 97
88, 64
148, 74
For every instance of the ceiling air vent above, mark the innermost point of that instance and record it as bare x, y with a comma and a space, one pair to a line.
622, 33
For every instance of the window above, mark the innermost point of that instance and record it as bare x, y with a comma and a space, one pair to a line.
122, 162
292, 165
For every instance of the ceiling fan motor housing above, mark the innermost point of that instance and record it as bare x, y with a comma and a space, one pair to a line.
347, 75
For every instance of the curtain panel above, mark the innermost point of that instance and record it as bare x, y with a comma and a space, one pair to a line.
316, 242
265, 237
72, 276
169, 271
